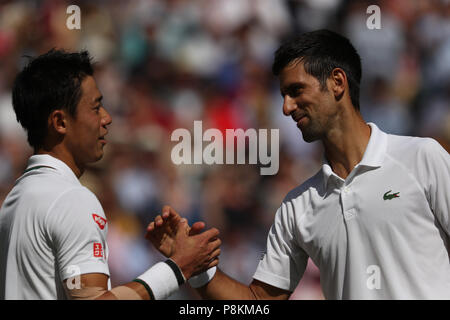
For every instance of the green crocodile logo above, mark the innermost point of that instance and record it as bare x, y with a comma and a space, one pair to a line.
388, 196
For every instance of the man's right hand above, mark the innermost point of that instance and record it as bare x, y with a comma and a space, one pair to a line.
192, 251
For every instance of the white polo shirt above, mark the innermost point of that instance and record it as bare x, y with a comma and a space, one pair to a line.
51, 229
382, 233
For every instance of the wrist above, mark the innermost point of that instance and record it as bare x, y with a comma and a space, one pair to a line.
184, 269
161, 280
203, 278
177, 271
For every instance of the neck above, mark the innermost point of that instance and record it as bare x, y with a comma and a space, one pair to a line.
64, 156
345, 144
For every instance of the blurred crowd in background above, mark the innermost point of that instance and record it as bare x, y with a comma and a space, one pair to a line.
161, 64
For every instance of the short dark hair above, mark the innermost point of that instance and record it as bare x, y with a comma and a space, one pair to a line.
322, 51
49, 82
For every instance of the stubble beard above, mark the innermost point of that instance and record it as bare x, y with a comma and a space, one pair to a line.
311, 132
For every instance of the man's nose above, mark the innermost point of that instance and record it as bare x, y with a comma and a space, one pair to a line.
289, 105
106, 119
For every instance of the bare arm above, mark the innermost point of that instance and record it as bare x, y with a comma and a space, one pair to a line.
192, 254
223, 287
94, 286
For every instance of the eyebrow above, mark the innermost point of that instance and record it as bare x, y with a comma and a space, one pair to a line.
293, 86
98, 99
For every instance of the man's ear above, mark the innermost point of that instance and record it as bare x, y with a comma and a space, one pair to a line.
58, 121
338, 82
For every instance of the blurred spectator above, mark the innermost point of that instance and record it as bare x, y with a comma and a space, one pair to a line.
382, 108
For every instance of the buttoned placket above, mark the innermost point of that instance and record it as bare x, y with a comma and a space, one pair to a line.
346, 194
372, 158
348, 206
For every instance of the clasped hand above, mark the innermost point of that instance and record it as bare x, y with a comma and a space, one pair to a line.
192, 250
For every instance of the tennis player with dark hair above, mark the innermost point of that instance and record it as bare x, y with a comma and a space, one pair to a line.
375, 218
52, 229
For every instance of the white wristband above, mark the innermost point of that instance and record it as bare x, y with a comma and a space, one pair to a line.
161, 280
203, 278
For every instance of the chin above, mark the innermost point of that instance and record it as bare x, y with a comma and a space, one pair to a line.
96, 157
312, 132
309, 139
310, 136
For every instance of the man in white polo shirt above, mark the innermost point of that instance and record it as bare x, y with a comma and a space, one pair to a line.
52, 229
375, 219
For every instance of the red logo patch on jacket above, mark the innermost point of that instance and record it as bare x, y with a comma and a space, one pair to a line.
99, 220
98, 250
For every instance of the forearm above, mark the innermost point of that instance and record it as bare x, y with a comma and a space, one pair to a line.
223, 287
158, 282
129, 291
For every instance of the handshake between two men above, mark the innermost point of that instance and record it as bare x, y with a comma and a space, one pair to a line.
192, 250
197, 254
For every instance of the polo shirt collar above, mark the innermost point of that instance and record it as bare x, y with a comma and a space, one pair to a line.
45, 160
376, 148
373, 155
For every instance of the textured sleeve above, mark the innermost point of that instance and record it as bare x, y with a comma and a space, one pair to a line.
284, 262
78, 228
434, 172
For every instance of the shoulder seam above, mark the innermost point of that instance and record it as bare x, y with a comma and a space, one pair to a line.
315, 176
57, 198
